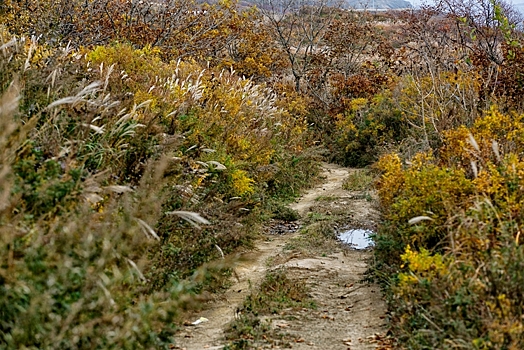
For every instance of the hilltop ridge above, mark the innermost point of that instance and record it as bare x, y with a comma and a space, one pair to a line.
380, 5
372, 5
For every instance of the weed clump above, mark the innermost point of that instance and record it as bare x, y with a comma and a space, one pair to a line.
358, 180
284, 212
276, 292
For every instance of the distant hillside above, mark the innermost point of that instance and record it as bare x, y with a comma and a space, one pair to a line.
380, 5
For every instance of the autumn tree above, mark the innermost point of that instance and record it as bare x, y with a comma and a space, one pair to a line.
299, 27
180, 28
253, 53
353, 64
485, 31
480, 25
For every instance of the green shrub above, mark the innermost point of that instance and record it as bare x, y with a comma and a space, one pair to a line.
368, 129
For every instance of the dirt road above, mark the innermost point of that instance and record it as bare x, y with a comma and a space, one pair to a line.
348, 314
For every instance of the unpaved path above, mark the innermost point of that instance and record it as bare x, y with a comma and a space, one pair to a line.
349, 314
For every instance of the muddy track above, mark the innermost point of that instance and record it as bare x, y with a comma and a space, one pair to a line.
349, 314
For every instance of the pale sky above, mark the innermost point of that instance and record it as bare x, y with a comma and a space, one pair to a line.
416, 2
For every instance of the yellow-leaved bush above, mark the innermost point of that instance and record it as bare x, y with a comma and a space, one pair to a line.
422, 269
219, 116
452, 232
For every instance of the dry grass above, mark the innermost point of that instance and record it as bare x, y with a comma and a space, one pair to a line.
359, 180
113, 218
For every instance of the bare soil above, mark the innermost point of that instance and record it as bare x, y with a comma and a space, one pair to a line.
350, 314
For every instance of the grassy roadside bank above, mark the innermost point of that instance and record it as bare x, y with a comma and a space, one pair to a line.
123, 177
449, 249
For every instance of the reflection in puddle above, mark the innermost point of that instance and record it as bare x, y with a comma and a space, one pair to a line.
356, 238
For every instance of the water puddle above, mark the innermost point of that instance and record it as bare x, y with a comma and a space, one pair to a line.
356, 238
